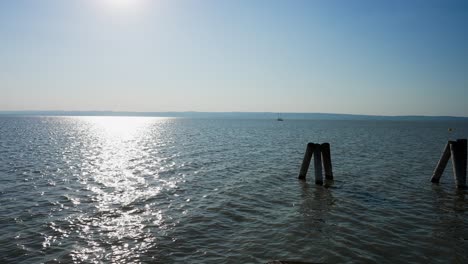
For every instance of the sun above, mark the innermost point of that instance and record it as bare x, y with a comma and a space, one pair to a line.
122, 10
124, 5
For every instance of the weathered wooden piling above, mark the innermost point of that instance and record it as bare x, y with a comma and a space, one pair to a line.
439, 170
457, 150
326, 158
459, 159
318, 165
306, 161
322, 159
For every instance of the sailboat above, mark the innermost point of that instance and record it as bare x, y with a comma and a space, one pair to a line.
279, 118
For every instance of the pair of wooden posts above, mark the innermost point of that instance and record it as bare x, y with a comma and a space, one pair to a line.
321, 154
457, 150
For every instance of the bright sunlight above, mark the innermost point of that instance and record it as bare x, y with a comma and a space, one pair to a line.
123, 6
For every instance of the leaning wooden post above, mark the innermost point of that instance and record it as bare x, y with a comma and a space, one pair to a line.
458, 150
318, 165
306, 162
439, 170
327, 164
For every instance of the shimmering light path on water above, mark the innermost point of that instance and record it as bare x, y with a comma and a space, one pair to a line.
137, 189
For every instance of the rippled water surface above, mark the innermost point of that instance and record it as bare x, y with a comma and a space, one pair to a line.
162, 190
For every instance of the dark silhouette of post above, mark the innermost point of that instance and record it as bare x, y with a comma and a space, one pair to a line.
322, 159
326, 158
458, 151
318, 165
306, 162
439, 170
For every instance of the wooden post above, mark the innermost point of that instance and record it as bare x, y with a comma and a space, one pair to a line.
458, 150
306, 162
439, 170
327, 164
318, 165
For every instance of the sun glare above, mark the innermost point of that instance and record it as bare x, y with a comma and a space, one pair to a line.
124, 6
122, 3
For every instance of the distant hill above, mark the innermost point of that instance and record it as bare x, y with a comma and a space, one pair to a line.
235, 115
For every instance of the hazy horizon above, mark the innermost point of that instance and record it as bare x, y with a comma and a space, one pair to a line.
233, 115
392, 58
221, 112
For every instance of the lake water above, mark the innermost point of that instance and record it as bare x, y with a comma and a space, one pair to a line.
162, 190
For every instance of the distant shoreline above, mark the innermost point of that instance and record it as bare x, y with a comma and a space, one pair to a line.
237, 115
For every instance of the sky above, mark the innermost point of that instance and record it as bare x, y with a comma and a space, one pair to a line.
399, 57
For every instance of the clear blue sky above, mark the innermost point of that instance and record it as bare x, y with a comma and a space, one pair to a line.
406, 57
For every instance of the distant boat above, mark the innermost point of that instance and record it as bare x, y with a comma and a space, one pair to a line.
279, 118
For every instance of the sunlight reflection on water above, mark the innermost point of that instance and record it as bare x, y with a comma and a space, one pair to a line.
116, 229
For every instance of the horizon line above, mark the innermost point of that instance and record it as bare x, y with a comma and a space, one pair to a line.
222, 112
